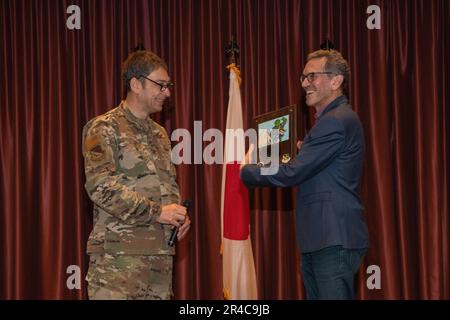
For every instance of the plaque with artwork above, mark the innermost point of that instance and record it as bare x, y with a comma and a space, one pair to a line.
277, 128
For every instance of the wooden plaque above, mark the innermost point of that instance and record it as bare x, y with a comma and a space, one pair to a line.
283, 122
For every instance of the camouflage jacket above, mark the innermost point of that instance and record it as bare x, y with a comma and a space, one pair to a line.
129, 176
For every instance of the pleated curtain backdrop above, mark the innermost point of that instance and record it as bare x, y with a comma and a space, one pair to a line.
55, 79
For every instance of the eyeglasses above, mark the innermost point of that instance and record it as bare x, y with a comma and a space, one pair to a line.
163, 86
312, 76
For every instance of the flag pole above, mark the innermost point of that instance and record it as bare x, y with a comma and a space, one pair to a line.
239, 276
232, 51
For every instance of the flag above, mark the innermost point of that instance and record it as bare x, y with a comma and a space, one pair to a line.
239, 277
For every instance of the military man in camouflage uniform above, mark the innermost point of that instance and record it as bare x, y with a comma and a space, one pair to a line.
131, 181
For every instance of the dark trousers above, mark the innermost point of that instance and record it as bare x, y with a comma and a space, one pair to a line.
330, 273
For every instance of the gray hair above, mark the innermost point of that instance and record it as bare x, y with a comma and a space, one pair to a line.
335, 63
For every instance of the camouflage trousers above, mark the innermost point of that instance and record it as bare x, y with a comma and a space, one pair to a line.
120, 277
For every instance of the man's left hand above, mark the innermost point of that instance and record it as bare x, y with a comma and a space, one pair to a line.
248, 156
182, 231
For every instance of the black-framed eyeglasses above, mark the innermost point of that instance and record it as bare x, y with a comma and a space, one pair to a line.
163, 86
312, 75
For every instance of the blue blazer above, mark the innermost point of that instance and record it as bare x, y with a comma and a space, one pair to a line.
328, 171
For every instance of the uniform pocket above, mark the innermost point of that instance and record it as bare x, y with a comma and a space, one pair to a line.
149, 240
160, 277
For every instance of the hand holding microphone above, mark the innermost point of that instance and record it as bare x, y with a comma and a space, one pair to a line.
173, 236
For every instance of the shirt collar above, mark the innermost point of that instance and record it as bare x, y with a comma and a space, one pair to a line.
131, 117
333, 104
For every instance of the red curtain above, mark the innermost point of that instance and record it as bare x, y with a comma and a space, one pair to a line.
53, 80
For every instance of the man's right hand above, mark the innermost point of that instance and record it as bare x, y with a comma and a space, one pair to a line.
173, 214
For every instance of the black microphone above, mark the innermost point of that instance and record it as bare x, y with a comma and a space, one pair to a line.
173, 236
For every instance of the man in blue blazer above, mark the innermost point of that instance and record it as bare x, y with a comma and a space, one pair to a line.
331, 229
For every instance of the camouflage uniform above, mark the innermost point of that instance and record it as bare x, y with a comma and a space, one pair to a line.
129, 176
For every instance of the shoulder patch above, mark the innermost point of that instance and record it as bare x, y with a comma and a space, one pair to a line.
94, 148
